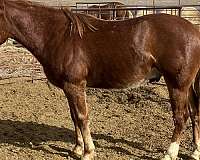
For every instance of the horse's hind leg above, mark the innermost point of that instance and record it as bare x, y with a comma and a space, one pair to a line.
195, 116
79, 111
178, 98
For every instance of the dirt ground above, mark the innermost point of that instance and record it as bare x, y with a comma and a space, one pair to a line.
129, 124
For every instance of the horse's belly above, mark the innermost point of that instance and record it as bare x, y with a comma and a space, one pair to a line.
122, 79
117, 84
135, 84
115, 80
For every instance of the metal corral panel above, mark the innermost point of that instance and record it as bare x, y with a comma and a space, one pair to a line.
176, 2
55, 2
162, 2
128, 2
71, 2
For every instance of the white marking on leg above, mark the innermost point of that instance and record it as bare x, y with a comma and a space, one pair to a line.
79, 148
196, 153
89, 145
172, 151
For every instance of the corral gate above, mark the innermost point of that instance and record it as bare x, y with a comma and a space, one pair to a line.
189, 12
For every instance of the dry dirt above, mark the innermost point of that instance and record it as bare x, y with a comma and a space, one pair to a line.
35, 123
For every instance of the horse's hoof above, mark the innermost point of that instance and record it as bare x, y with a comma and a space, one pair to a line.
88, 156
78, 150
195, 155
168, 157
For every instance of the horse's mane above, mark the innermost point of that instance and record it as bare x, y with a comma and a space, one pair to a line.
79, 22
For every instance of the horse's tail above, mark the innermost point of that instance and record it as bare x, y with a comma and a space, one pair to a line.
197, 84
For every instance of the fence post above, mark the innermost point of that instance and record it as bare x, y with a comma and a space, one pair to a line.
179, 11
154, 7
114, 12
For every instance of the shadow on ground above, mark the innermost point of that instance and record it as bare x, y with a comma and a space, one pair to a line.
32, 135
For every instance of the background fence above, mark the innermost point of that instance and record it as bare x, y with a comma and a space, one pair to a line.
189, 12
127, 2
17, 62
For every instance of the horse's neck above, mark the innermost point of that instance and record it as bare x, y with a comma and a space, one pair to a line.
36, 31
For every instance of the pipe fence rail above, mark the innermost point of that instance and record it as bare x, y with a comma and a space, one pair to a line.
189, 12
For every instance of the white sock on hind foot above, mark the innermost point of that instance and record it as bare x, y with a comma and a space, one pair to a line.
172, 152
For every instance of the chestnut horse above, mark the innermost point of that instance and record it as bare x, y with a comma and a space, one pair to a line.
78, 50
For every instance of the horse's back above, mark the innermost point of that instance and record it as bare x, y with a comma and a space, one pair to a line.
122, 51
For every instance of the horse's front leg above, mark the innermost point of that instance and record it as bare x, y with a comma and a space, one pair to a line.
79, 147
77, 102
180, 115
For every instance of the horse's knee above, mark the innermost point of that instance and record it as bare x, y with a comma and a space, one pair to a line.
180, 111
180, 125
180, 119
82, 119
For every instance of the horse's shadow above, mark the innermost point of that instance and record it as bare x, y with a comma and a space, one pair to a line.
32, 135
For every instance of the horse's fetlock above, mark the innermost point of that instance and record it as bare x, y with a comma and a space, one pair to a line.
90, 147
89, 155
168, 157
78, 150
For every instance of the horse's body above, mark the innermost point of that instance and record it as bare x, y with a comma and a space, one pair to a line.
78, 50
109, 15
